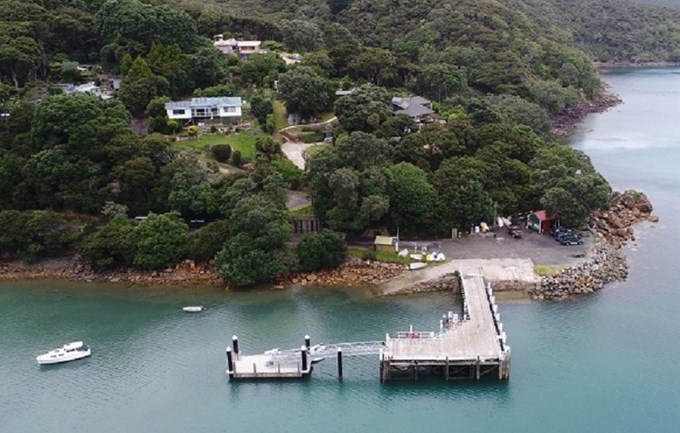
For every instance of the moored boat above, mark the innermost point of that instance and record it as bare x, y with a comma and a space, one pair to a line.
69, 352
193, 309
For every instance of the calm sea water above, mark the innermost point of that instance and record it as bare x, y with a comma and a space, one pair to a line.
606, 363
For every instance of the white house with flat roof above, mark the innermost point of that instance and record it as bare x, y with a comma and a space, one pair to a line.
227, 109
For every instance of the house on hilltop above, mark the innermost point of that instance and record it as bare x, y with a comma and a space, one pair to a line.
415, 107
224, 108
231, 46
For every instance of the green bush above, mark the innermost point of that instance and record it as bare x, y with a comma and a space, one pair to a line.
112, 246
236, 158
221, 152
292, 175
161, 241
321, 250
208, 241
34, 235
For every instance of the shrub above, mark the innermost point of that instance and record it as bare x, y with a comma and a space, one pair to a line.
321, 250
221, 152
236, 158
213, 129
292, 175
208, 241
112, 246
162, 241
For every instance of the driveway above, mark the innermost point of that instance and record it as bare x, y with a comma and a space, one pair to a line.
295, 152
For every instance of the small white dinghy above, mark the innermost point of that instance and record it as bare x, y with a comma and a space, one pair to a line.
416, 265
193, 309
315, 352
416, 256
69, 352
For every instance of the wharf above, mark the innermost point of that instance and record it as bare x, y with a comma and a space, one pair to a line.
467, 348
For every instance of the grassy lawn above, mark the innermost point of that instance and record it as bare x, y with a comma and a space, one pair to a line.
381, 256
547, 270
279, 114
241, 141
305, 210
314, 149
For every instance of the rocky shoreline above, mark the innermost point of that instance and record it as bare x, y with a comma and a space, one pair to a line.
563, 124
354, 272
606, 262
186, 273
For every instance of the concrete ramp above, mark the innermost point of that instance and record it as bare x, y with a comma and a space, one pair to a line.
504, 274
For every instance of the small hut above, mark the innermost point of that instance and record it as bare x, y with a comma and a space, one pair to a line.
386, 243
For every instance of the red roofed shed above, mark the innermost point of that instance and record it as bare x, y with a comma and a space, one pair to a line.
540, 221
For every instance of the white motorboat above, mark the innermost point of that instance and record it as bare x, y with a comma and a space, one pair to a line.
418, 257
193, 309
416, 266
69, 352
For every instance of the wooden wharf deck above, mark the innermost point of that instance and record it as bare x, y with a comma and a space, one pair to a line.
469, 348
465, 349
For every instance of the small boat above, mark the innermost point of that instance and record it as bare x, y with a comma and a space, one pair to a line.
416, 256
193, 309
315, 351
69, 352
417, 265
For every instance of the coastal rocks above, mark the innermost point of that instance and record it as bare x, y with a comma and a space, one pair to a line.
186, 272
564, 123
606, 264
444, 283
614, 227
354, 272
627, 209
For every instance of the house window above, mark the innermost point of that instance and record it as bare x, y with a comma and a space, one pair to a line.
177, 112
230, 109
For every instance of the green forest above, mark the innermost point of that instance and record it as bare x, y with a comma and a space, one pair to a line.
76, 169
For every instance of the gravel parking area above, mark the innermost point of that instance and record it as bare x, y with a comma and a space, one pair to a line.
541, 249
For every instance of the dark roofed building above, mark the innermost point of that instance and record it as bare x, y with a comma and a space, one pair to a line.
415, 107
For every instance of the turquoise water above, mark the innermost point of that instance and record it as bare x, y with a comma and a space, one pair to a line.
605, 363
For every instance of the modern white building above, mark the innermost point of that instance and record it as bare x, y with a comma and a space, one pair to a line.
224, 108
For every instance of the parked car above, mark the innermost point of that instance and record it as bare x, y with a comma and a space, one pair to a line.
561, 235
571, 240
558, 230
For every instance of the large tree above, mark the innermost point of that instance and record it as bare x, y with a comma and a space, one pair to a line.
123, 21
256, 250
364, 109
140, 86
412, 197
304, 91
162, 241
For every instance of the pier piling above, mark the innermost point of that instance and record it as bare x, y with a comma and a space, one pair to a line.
340, 364
234, 342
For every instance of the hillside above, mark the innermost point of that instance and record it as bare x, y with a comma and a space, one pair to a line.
610, 30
